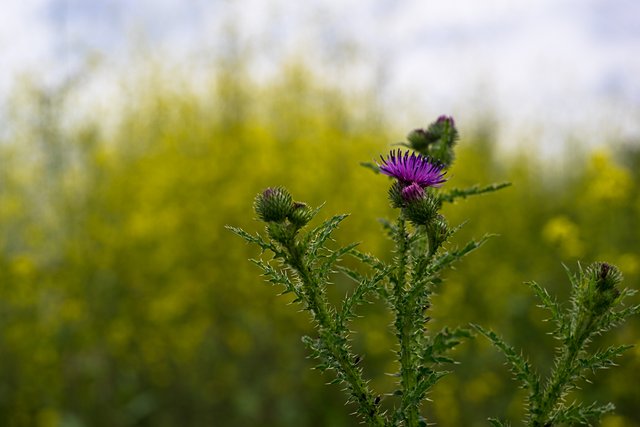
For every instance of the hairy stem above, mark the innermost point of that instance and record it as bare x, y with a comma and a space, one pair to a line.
403, 324
333, 338
561, 376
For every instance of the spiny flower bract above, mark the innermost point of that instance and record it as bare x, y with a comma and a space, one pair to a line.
412, 169
273, 204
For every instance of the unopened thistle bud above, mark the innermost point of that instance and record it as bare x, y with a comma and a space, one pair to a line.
604, 278
446, 121
274, 204
607, 276
419, 139
422, 211
445, 130
437, 140
301, 214
395, 195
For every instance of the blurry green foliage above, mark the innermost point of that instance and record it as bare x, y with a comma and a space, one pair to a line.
124, 301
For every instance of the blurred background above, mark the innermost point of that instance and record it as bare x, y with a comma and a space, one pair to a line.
132, 132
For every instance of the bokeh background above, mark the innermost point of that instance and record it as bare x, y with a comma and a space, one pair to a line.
132, 132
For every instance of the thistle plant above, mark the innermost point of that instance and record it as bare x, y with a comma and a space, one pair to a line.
596, 306
302, 260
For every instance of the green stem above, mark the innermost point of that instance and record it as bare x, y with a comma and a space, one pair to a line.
403, 323
332, 338
561, 376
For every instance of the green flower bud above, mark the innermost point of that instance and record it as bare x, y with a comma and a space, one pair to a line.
419, 139
422, 211
395, 195
437, 140
274, 204
603, 278
606, 276
301, 214
444, 129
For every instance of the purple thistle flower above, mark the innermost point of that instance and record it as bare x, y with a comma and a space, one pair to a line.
414, 169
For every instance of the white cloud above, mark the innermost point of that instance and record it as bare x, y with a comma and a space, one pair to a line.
558, 61
25, 40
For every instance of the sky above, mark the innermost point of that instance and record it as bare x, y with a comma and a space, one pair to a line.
551, 66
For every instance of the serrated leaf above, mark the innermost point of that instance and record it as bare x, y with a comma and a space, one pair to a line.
368, 259
426, 381
614, 318
602, 359
328, 261
519, 365
449, 258
444, 341
498, 423
553, 306
370, 165
308, 341
240, 232
463, 193
351, 274
319, 235
357, 297
278, 277
258, 240
573, 278
576, 413
388, 227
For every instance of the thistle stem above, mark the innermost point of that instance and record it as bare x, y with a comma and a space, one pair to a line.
403, 322
332, 338
561, 376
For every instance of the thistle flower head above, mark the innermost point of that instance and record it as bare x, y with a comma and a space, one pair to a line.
301, 214
436, 141
446, 120
412, 169
603, 279
606, 276
273, 204
422, 211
